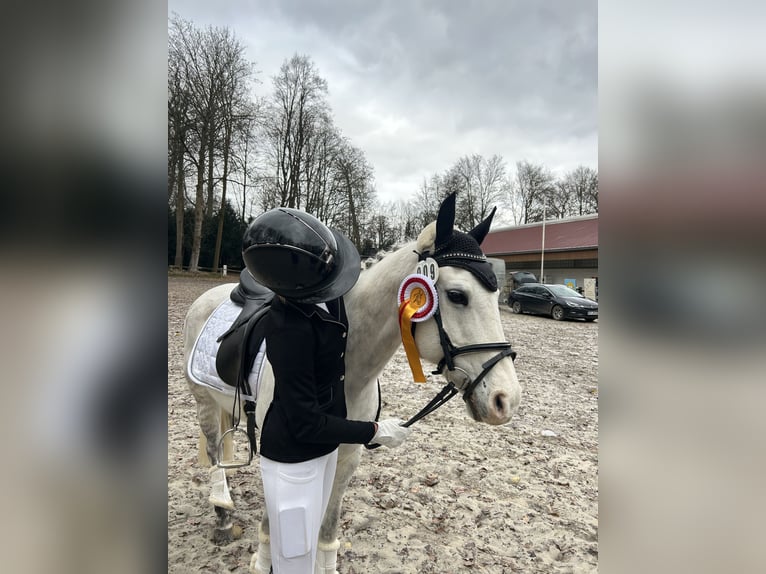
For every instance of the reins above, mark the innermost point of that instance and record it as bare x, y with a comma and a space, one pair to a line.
450, 390
450, 352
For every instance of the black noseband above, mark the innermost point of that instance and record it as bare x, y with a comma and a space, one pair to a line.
451, 351
448, 360
487, 366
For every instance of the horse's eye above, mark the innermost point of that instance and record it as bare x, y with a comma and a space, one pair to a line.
457, 297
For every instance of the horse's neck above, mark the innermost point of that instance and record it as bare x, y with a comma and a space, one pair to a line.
373, 314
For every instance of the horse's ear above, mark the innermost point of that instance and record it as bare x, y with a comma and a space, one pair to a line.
480, 231
445, 221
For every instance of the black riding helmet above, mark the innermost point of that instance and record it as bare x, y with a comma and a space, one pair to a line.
297, 256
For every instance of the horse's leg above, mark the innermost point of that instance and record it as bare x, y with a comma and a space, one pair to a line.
327, 552
209, 417
260, 562
228, 444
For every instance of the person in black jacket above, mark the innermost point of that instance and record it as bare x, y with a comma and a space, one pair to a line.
309, 267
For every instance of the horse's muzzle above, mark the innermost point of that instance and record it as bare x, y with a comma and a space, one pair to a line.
500, 408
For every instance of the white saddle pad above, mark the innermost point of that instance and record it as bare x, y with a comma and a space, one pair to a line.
201, 366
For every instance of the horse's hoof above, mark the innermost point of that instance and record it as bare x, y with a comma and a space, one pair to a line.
223, 536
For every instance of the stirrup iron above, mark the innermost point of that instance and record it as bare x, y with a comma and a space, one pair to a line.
234, 463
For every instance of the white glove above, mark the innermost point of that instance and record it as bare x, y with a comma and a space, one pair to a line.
391, 433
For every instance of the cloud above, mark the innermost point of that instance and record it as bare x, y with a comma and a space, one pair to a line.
418, 84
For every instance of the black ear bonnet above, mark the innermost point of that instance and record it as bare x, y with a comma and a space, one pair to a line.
462, 250
458, 249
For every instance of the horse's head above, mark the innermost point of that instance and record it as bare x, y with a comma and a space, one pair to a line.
469, 316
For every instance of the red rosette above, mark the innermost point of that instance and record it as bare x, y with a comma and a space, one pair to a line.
419, 287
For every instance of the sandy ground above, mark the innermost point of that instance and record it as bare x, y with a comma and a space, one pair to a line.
457, 497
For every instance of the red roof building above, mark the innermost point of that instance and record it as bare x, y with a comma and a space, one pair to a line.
571, 249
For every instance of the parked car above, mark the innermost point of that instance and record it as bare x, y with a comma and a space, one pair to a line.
558, 301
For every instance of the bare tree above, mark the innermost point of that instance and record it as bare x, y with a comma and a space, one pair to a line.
560, 202
236, 113
308, 164
512, 200
403, 219
480, 183
178, 127
380, 233
581, 186
534, 185
298, 104
210, 70
357, 193
200, 68
244, 172
322, 185
428, 199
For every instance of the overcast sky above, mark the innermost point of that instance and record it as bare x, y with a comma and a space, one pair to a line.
417, 84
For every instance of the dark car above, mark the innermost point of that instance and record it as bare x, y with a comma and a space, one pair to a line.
558, 301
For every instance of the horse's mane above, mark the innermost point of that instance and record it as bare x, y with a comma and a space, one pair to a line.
370, 261
380, 255
424, 242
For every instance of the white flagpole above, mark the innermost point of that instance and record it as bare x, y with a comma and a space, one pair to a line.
542, 250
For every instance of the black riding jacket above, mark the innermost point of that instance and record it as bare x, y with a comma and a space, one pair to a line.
307, 418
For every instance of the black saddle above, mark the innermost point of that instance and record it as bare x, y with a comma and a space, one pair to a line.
240, 344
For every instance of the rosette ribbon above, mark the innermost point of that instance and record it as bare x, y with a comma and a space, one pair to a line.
417, 302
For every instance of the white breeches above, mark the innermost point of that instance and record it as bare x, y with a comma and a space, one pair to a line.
296, 497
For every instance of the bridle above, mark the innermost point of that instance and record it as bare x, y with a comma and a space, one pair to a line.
450, 351
448, 360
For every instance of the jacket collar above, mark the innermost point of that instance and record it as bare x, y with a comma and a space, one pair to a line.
335, 308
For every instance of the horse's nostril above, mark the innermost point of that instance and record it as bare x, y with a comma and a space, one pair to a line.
500, 402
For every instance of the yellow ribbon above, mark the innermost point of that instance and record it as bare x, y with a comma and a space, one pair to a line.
407, 309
